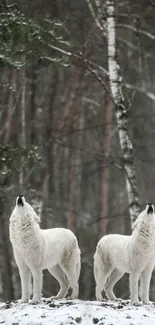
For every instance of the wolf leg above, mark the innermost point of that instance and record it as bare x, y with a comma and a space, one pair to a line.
37, 285
102, 271
59, 275
112, 280
134, 278
25, 276
145, 283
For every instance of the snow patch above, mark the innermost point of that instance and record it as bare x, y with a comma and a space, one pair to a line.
67, 312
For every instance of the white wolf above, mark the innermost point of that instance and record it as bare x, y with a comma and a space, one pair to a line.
135, 254
36, 249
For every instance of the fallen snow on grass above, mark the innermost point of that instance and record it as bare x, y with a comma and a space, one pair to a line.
66, 312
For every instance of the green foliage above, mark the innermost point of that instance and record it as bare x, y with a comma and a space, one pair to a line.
19, 34
16, 28
10, 160
16, 31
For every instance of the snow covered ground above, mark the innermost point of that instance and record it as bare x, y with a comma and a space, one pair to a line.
66, 312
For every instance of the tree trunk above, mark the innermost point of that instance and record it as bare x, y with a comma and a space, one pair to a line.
6, 269
121, 113
23, 122
33, 105
63, 128
74, 196
74, 170
7, 276
45, 197
104, 187
48, 178
11, 106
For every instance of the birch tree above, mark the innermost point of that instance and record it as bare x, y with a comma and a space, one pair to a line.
121, 110
121, 113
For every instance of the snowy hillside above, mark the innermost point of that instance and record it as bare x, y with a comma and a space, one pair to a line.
76, 312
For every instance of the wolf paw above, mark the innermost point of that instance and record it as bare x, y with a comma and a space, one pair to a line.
115, 299
24, 301
55, 298
35, 302
99, 297
147, 302
136, 303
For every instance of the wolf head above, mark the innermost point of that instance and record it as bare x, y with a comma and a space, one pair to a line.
20, 201
150, 208
23, 208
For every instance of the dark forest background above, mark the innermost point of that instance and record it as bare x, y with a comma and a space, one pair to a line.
59, 143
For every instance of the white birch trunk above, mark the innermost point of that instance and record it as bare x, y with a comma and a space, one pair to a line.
121, 113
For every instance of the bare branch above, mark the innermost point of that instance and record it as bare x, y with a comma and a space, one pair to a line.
128, 86
99, 78
141, 90
152, 3
94, 15
76, 56
134, 29
13, 5
135, 48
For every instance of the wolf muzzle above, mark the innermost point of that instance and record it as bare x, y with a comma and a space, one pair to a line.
150, 208
20, 201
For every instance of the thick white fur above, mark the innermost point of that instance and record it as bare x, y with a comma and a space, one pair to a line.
135, 254
36, 249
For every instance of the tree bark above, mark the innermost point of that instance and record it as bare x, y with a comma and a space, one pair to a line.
6, 269
104, 187
45, 197
121, 113
63, 128
8, 290
33, 105
49, 117
11, 106
70, 101
74, 196
23, 122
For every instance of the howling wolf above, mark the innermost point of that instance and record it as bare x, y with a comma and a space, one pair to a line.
36, 249
135, 254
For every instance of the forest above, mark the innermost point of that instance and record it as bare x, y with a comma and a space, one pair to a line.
77, 123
